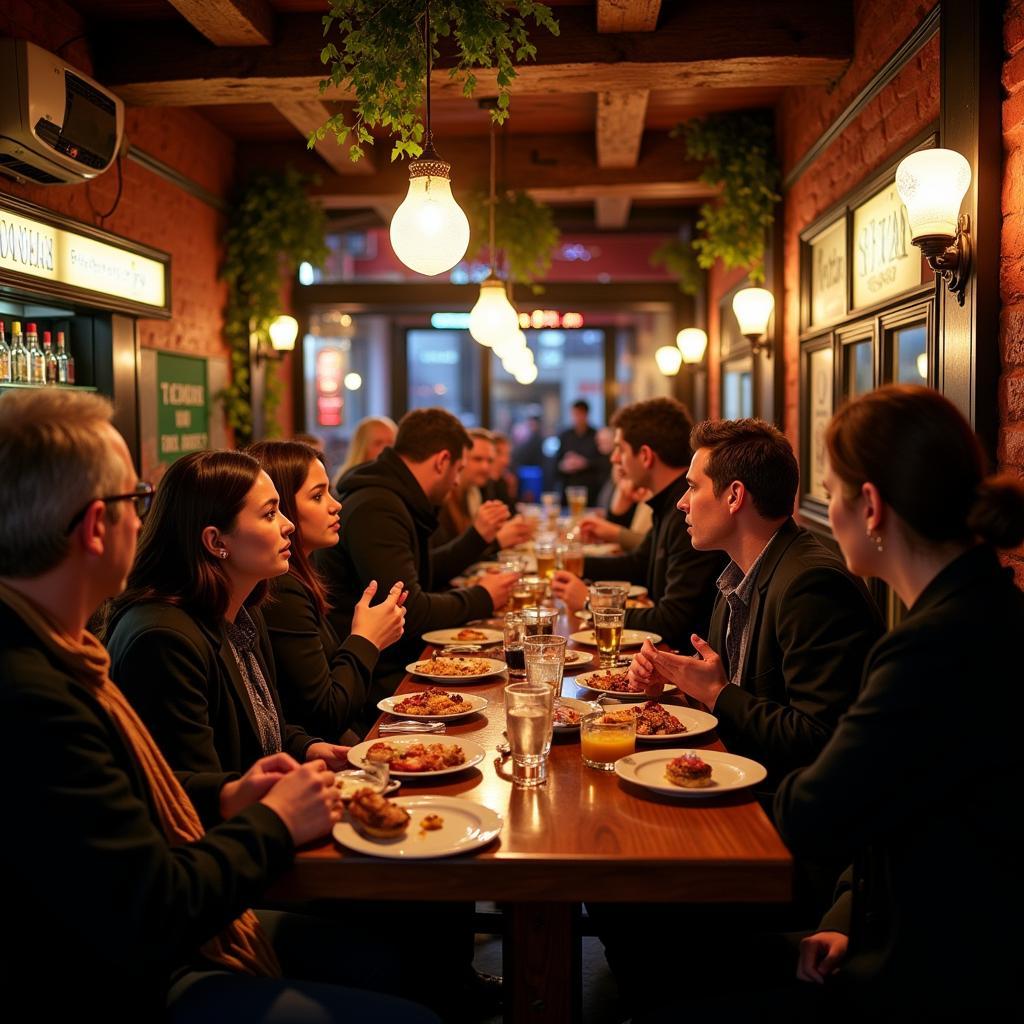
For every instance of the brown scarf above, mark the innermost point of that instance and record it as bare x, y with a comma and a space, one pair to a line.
242, 946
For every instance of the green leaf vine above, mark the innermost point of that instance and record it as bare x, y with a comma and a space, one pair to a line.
273, 227
525, 235
380, 57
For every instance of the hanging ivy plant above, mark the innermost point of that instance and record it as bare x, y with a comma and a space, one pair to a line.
525, 235
380, 57
273, 227
739, 150
679, 258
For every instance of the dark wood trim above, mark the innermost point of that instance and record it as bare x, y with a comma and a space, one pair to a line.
399, 371
906, 316
298, 375
812, 511
124, 381
879, 81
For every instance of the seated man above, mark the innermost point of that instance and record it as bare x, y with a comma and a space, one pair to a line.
389, 511
120, 906
792, 626
652, 448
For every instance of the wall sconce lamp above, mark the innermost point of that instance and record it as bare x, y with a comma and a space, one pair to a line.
932, 185
692, 342
753, 308
283, 331
669, 359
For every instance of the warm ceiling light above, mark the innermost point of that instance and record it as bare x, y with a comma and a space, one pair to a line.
692, 342
527, 374
509, 344
353, 381
493, 318
753, 308
669, 359
283, 332
932, 184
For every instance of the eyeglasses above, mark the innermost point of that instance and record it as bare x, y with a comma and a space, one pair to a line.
141, 498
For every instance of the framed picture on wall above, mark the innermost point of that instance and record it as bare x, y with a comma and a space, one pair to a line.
817, 384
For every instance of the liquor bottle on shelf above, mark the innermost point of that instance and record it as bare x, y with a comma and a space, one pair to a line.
36, 359
65, 373
5, 358
19, 355
51, 359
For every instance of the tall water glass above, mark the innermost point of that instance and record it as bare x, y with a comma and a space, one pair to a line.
528, 720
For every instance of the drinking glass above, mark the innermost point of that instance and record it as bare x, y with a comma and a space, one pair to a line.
608, 623
545, 659
537, 590
528, 713
570, 558
603, 742
545, 553
608, 595
576, 498
539, 621
513, 645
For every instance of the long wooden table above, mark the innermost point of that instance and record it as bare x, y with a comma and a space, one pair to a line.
584, 835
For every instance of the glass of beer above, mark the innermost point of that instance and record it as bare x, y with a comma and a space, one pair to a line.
608, 595
605, 737
576, 498
528, 718
535, 589
521, 597
539, 621
608, 623
570, 558
514, 657
546, 555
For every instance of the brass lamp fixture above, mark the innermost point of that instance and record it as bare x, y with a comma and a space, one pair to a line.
932, 184
753, 308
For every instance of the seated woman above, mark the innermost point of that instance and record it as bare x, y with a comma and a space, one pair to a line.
322, 681
188, 645
371, 436
920, 784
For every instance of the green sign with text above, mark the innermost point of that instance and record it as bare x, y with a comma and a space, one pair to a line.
182, 403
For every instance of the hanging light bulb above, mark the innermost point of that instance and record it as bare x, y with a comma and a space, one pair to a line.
527, 375
510, 343
429, 231
493, 317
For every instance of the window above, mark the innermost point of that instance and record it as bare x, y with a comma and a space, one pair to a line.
738, 388
444, 371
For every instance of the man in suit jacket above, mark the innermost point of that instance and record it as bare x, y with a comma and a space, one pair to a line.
791, 627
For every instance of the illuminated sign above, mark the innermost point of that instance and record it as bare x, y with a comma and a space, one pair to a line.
330, 403
550, 318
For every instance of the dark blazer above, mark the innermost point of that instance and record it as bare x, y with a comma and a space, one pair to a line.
680, 580
322, 681
812, 623
182, 679
921, 787
99, 909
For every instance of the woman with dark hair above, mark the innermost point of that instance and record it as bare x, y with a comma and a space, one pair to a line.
322, 681
187, 642
926, 919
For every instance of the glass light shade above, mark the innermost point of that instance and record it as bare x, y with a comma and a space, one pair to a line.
753, 308
669, 359
692, 342
526, 375
429, 231
932, 185
283, 332
353, 381
493, 318
509, 344
517, 360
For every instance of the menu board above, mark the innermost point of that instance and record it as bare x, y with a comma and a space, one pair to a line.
819, 412
182, 402
885, 262
828, 274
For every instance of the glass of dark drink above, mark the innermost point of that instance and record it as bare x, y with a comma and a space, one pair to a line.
514, 656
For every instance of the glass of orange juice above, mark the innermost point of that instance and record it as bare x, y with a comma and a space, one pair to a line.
606, 736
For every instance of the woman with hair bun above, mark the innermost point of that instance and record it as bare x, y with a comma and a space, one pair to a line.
920, 784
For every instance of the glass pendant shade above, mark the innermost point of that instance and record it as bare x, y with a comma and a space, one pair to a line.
753, 308
429, 231
669, 359
283, 332
692, 343
932, 185
510, 344
493, 318
517, 361
526, 375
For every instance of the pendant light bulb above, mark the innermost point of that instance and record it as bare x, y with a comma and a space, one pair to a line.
493, 318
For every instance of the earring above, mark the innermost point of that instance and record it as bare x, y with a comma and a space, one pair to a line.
877, 538
223, 553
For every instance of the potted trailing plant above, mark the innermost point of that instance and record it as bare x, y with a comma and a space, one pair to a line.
273, 227
375, 49
524, 234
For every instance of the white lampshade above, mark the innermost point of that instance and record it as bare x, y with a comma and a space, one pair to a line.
493, 317
753, 308
669, 359
527, 374
283, 332
932, 185
429, 231
692, 342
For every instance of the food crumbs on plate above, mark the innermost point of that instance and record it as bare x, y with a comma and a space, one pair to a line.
431, 823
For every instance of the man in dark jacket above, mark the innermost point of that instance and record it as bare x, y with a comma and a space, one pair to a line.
652, 447
389, 511
580, 463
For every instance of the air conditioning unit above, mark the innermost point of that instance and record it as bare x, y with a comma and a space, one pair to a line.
57, 126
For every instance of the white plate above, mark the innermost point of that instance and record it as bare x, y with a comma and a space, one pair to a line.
443, 637
467, 825
359, 780
729, 772
574, 658
697, 723
630, 638
473, 751
472, 706
584, 707
599, 550
583, 680
637, 591
422, 668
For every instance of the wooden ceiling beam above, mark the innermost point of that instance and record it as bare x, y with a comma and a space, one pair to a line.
612, 212
620, 127
307, 116
229, 22
696, 46
627, 15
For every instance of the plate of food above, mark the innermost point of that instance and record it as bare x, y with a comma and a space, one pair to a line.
574, 658
456, 667
692, 773
354, 779
569, 711
630, 638
418, 756
655, 722
463, 635
599, 550
416, 827
434, 702
615, 682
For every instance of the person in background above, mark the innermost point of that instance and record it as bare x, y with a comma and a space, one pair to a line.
503, 485
323, 681
579, 461
629, 517
371, 436
314, 442
188, 645
926, 923
651, 446
131, 878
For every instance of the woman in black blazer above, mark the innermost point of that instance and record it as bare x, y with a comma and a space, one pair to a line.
920, 784
188, 645
323, 681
